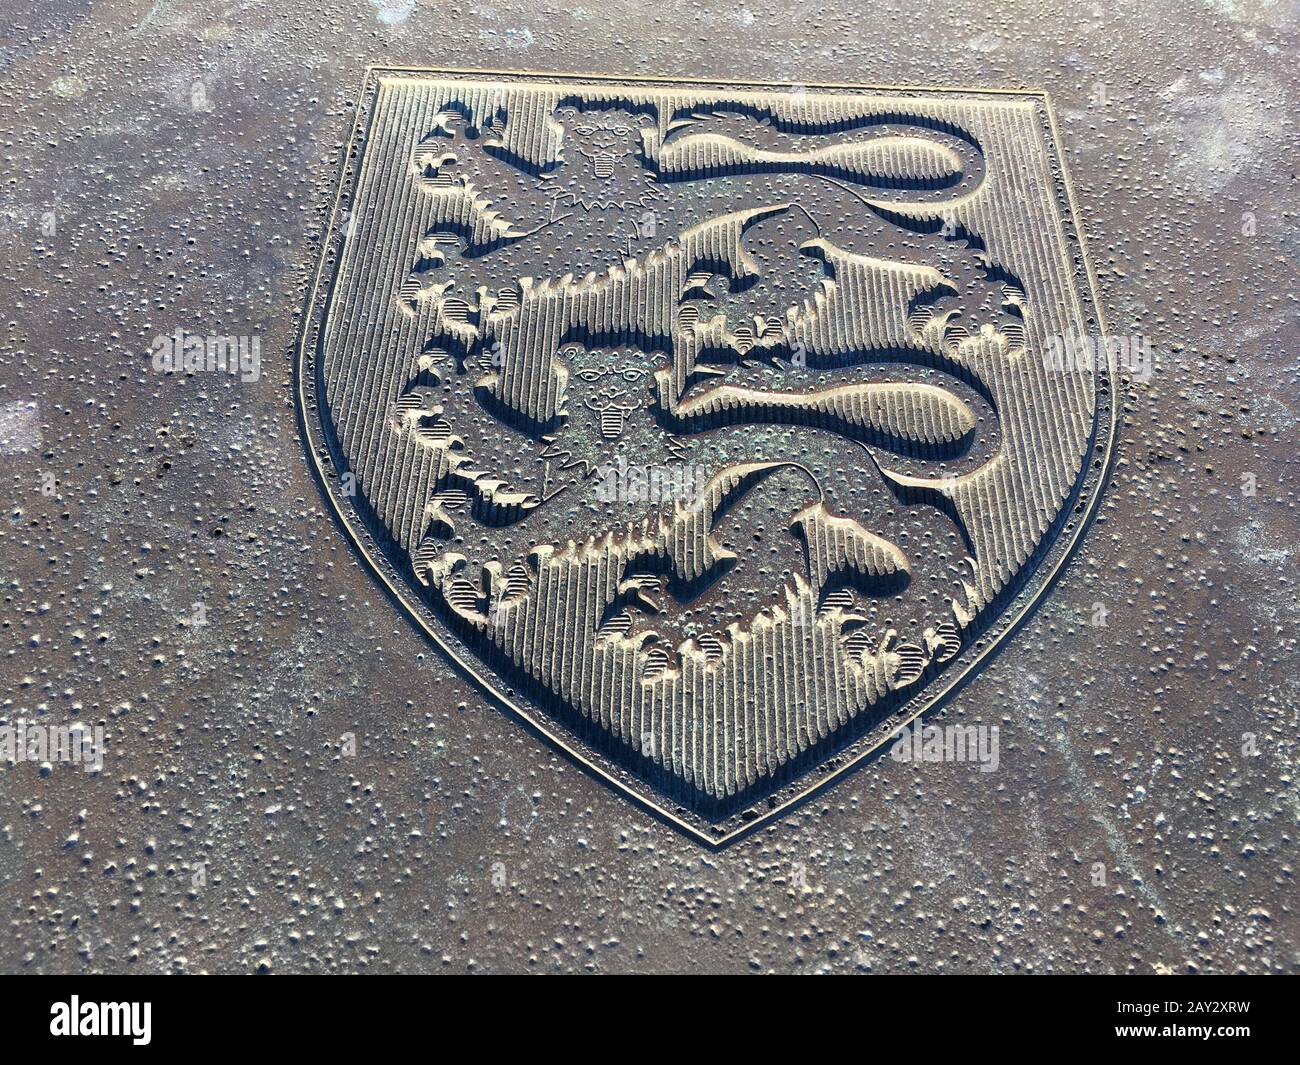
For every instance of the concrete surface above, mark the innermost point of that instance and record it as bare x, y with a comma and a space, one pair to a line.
187, 152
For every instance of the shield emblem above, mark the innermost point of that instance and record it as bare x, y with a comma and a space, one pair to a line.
716, 430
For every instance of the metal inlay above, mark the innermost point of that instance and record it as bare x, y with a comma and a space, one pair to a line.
717, 430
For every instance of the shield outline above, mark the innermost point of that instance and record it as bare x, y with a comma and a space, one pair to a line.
1018, 603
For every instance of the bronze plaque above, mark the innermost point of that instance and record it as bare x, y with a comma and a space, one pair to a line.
716, 430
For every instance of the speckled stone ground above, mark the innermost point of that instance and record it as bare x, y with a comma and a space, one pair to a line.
184, 152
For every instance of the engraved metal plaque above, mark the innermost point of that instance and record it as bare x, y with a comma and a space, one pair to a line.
716, 430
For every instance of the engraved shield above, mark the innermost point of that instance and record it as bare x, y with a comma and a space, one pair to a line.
716, 430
